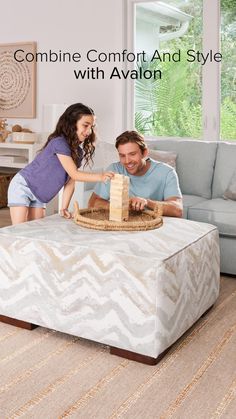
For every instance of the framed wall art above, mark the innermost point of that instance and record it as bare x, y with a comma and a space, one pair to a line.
17, 80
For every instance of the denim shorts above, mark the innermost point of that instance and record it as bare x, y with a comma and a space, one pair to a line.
20, 195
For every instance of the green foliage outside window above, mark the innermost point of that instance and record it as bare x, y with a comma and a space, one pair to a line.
171, 106
228, 69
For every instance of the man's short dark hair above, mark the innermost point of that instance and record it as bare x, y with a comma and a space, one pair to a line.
131, 137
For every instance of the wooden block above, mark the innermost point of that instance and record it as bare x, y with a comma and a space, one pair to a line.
119, 198
119, 215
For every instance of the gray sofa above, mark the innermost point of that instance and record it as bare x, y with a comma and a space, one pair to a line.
204, 170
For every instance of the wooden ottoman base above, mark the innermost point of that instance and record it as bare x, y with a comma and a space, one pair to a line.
133, 356
17, 323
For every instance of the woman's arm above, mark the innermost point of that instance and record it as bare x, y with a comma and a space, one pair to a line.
66, 197
77, 175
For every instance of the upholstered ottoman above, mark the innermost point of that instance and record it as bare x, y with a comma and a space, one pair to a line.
137, 292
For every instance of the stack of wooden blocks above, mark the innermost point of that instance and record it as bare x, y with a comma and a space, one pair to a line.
119, 198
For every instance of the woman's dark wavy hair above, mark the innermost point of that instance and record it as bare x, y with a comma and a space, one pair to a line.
66, 126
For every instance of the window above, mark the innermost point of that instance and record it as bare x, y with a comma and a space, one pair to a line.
185, 101
228, 70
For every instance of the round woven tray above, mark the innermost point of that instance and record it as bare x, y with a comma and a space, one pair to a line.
98, 219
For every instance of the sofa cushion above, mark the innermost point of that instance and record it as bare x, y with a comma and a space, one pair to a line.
168, 157
227, 255
230, 192
195, 163
224, 168
217, 211
189, 201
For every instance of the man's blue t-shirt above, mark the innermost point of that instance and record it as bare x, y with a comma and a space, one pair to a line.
158, 183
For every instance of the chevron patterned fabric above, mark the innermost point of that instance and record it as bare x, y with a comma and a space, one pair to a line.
138, 291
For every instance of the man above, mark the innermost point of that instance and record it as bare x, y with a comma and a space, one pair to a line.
151, 182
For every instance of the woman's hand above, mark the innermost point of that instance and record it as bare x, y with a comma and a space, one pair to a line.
107, 176
65, 213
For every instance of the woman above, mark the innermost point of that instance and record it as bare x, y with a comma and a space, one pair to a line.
56, 166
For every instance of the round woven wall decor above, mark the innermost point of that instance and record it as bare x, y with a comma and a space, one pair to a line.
14, 81
98, 219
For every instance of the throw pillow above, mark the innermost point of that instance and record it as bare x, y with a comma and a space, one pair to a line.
230, 192
168, 157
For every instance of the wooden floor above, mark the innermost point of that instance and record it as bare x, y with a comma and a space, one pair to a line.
5, 219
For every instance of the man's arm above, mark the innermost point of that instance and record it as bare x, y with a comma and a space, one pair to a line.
172, 207
95, 201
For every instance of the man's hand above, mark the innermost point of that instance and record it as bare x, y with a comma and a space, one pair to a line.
137, 204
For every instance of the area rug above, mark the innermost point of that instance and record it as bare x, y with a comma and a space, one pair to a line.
47, 374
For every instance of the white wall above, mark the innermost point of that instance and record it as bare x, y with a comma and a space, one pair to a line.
73, 26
